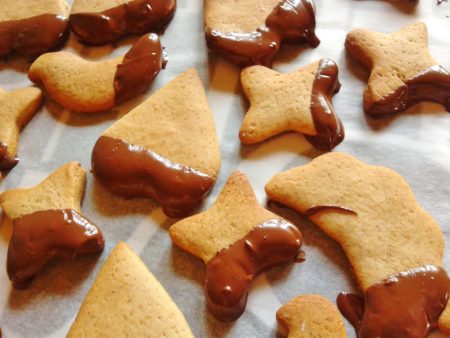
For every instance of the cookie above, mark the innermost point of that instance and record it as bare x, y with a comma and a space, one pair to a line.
32, 27
403, 72
97, 22
166, 148
91, 86
394, 246
299, 101
48, 224
17, 107
126, 300
311, 316
237, 239
250, 32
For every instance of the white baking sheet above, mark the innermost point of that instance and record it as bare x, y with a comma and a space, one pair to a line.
415, 143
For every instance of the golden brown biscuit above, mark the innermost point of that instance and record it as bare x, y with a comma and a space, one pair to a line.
126, 300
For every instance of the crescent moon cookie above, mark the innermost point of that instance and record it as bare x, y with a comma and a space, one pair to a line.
32, 27
311, 316
166, 148
394, 246
249, 32
237, 239
48, 224
299, 101
91, 86
17, 107
403, 72
99, 22
126, 300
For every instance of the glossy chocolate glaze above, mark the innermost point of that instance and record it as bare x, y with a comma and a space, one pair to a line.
39, 237
329, 128
407, 305
318, 208
6, 162
139, 67
33, 36
230, 272
433, 85
291, 20
133, 171
133, 17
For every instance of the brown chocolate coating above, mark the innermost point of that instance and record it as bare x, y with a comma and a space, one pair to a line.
33, 36
230, 272
133, 171
318, 208
330, 130
133, 17
432, 85
39, 237
6, 162
139, 67
291, 20
407, 305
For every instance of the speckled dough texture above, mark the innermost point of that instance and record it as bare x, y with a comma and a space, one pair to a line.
95, 6
126, 300
22, 9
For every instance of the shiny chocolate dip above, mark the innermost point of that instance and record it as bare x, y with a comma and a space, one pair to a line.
39, 237
407, 305
132, 171
291, 20
133, 17
231, 271
139, 67
6, 162
33, 36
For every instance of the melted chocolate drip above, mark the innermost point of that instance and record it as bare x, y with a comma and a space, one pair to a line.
318, 208
139, 67
407, 305
230, 272
39, 237
133, 17
132, 171
291, 20
432, 85
6, 162
329, 128
33, 36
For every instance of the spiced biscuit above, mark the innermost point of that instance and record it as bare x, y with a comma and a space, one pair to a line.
166, 148
17, 107
311, 316
48, 224
98, 22
388, 238
91, 86
237, 239
126, 300
250, 32
32, 27
402, 71
299, 101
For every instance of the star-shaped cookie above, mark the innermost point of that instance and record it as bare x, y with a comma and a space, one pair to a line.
236, 238
403, 72
298, 101
48, 223
17, 107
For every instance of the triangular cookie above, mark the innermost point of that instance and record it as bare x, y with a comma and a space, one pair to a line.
126, 300
17, 107
166, 148
48, 223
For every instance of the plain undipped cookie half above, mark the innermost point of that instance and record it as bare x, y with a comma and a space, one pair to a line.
126, 300
166, 148
91, 86
298, 101
237, 239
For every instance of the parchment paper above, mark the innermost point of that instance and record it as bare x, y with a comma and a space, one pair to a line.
415, 143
